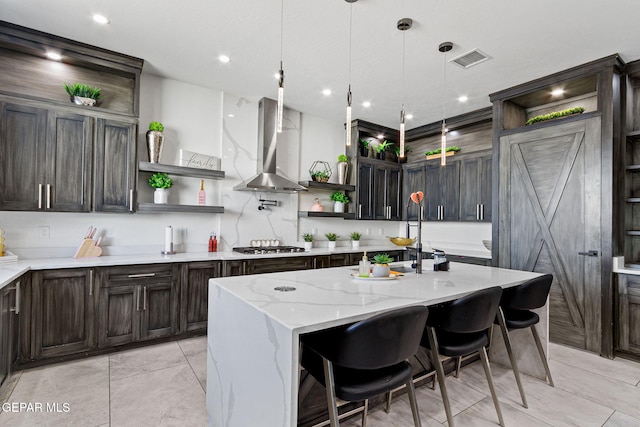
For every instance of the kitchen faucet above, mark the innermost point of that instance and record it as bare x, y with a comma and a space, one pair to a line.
419, 236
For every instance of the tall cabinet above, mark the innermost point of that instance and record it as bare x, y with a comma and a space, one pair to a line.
55, 155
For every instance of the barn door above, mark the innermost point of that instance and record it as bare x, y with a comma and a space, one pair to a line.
550, 221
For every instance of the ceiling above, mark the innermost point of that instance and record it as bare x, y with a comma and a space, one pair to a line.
183, 39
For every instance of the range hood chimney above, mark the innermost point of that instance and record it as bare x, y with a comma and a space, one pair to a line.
267, 179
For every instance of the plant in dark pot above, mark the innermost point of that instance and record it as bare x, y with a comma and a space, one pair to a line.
155, 138
340, 200
396, 149
364, 147
161, 182
382, 148
83, 94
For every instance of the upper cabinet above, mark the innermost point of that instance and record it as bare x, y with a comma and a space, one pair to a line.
55, 155
475, 188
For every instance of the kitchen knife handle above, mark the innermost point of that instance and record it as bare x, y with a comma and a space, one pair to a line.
39, 196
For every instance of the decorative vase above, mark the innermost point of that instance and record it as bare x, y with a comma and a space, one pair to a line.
342, 172
338, 207
381, 270
317, 207
81, 100
308, 246
154, 145
355, 244
161, 195
332, 245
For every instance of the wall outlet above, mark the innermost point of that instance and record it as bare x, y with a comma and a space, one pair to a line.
367, 231
314, 231
44, 231
380, 231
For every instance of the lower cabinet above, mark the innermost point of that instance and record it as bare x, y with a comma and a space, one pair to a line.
194, 293
275, 265
9, 323
629, 313
137, 303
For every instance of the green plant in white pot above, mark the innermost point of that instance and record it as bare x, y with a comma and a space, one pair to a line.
355, 240
331, 237
161, 182
340, 200
381, 267
308, 241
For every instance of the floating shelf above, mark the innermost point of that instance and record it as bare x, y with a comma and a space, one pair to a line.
633, 136
180, 170
153, 207
633, 200
633, 168
632, 232
343, 215
327, 186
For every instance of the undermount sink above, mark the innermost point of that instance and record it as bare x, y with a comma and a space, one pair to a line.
402, 269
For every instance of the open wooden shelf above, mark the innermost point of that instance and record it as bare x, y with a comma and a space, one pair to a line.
343, 215
154, 207
329, 186
180, 170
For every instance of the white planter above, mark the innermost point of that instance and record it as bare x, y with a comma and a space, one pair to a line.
308, 246
338, 207
161, 195
332, 245
380, 270
355, 244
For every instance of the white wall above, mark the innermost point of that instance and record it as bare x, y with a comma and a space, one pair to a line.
197, 119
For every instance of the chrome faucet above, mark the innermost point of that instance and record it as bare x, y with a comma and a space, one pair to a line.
418, 237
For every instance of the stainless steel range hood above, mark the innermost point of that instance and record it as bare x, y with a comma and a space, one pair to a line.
267, 179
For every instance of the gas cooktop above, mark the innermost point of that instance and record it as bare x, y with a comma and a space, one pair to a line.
250, 250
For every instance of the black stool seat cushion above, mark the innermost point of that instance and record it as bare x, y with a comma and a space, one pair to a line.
454, 344
520, 319
357, 384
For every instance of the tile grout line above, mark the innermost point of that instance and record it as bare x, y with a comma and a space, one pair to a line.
190, 366
109, 386
607, 420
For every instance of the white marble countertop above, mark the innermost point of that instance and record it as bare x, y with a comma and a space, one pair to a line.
323, 297
11, 271
620, 267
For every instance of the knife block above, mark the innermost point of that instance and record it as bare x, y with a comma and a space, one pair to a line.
88, 248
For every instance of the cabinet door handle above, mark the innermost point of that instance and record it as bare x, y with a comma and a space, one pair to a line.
16, 309
131, 200
135, 276
48, 196
360, 211
421, 213
144, 299
90, 282
138, 298
590, 253
482, 212
39, 196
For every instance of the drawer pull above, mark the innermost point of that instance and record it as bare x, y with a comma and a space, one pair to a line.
16, 309
135, 276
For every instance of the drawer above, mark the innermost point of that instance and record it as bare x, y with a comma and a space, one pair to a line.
138, 274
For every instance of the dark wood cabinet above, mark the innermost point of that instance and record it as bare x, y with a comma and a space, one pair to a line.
137, 303
194, 293
378, 190
475, 188
46, 158
63, 304
629, 313
414, 179
443, 191
9, 324
274, 265
364, 191
115, 166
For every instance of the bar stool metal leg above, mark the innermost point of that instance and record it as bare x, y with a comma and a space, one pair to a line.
512, 359
487, 372
536, 337
433, 343
331, 392
414, 404
364, 413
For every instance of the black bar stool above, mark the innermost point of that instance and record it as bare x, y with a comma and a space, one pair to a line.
366, 359
459, 329
515, 313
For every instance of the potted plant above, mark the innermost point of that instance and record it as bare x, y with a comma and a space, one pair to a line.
340, 199
83, 94
320, 176
437, 153
381, 266
308, 241
396, 150
155, 138
555, 115
364, 147
382, 148
342, 168
161, 182
332, 237
355, 240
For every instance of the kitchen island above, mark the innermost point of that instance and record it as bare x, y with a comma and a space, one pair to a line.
255, 323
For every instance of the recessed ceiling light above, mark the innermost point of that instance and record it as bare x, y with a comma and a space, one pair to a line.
463, 98
230, 115
366, 104
408, 116
54, 56
101, 19
557, 92
277, 76
326, 92
224, 59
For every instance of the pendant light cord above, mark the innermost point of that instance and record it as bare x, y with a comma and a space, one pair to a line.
281, 29
444, 89
404, 38
350, 35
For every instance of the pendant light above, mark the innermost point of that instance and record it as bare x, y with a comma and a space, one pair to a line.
280, 108
444, 48
403, 25
349, 97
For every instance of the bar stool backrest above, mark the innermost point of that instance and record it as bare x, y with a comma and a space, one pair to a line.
529, 295
382, 340
472, 313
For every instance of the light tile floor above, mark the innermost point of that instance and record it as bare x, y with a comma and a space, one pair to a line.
164, 385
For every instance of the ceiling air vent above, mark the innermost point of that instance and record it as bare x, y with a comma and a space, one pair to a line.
470, 58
